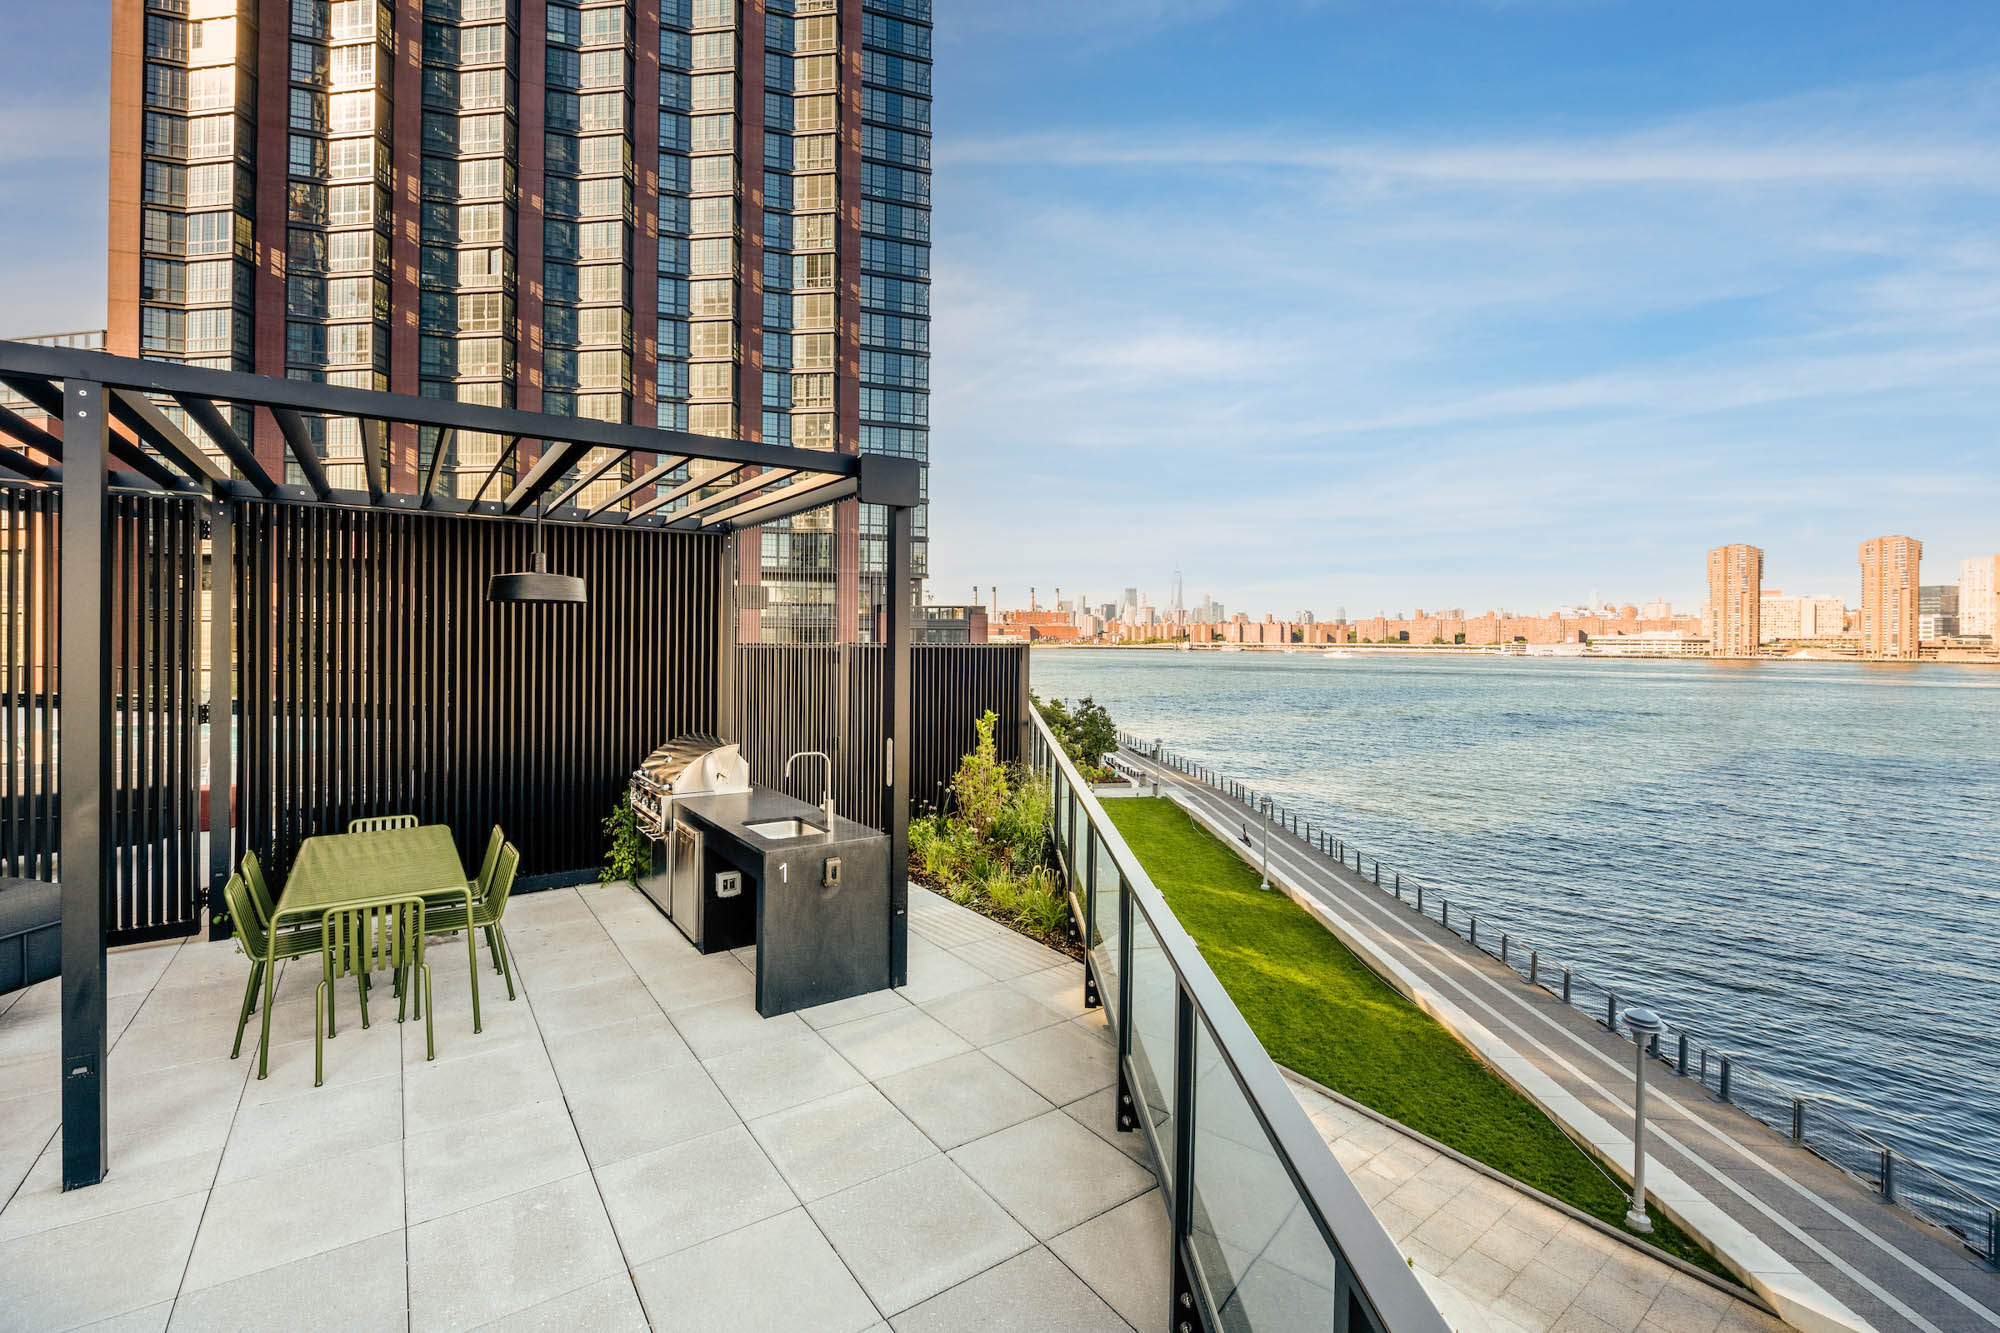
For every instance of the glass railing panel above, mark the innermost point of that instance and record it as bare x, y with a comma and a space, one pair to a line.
1258, 1253
1155, 994
1060, 786
1104, 938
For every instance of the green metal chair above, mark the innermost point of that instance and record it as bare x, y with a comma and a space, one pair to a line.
376, 823
482, 889
487, 910
266, 948
360, 938
260, 888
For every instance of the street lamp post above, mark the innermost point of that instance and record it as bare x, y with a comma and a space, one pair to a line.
1265, 884
1645, 1025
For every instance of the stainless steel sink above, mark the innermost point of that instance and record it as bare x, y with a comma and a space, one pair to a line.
784, 828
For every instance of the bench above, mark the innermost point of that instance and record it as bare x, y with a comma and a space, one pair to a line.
30, 932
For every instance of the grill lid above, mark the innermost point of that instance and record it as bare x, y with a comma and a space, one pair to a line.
695, 763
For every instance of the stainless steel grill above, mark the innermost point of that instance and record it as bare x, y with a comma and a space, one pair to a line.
693, 765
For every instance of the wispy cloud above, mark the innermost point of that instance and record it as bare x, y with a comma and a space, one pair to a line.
1332, 368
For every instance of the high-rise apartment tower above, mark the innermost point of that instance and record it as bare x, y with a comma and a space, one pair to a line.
1735, 594
1976, 588
1889, 567
709, 215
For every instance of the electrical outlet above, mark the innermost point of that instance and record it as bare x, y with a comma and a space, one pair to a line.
728, 883
831, 879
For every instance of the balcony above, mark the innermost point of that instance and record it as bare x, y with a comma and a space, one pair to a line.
626, 1142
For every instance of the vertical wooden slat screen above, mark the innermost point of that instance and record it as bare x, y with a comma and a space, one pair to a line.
829, 697
155, 576
377, 679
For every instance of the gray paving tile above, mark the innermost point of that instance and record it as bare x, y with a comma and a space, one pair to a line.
1059, 1062
601, 1058
1007, 955
911, 1234
1060, 987
1051, 1173
440, 1094
578, 1008
680, 1196
652, 1109
892, 1042
935, 972
1122, 1254
500, 1258
607, 1306
961, 1099
827, 1145
362, 1286
100, 1268
772, 1075
255, 1224
985, 1015
323, 1122
488, 1157
846, 1011
776, 1276
724, 1026
1098, 1113
1029, 1293
42, 1204
148, 1319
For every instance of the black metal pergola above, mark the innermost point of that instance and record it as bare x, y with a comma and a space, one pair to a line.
110, 431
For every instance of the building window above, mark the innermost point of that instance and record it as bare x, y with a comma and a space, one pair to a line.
714, 50
161, 330
162, 280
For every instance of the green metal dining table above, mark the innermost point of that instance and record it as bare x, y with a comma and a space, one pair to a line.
339, 869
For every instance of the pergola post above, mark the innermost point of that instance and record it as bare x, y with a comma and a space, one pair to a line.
896, 714
221, 706
86, 718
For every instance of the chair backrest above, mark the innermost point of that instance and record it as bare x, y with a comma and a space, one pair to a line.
260, 889
503, 878
243, 918
369, 937
376, 823
494, 841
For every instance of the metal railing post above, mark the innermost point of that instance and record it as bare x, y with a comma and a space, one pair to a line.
1722, 1081
1399, 884
1503, 949
1611, 1010
1798, 1120
1566, 980
1420, 900
1182, 1307
1889, 1175
1534, 967
1681, 1064
1444, 914
1474, 933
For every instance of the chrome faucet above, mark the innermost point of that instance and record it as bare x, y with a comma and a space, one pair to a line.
825, 805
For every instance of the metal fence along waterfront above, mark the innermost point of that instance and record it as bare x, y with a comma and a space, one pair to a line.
1814, 1122
1267, 1230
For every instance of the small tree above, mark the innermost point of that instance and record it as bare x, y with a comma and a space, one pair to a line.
1092, 732
980, 786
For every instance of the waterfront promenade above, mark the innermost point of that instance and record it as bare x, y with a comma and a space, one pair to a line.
1818, 1244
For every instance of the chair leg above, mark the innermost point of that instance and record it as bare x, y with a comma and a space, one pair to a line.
322, 995
264, 1043
506, 957
361, 985
472, 958
430, 1032
326, 980
402, 989
249, 999
493, 951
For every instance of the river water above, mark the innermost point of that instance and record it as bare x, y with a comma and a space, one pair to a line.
1801, 859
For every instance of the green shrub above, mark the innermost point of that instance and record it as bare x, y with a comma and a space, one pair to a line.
630, 854
990, 851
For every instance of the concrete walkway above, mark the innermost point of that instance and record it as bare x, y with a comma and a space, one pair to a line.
627, 1144
1496, 1259
1810, 1239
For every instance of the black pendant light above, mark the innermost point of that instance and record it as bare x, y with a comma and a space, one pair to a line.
537, 584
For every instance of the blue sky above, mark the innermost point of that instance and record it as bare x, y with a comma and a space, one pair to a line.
1384, 304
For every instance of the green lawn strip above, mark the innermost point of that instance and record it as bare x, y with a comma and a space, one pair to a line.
1319, 1010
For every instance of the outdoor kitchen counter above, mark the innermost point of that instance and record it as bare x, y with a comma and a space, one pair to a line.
816, 942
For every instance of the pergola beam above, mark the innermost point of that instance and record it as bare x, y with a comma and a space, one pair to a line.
217, 428
28, 433
727, 494
293, 427
27, 468
445, 437
506, 456
547, 471
164, 437
783, 503
687, 487
637, 484
374, 441
612, 460
50, 399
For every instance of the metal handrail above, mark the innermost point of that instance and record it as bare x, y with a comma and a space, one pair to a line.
1374, 1286
1684, 1049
